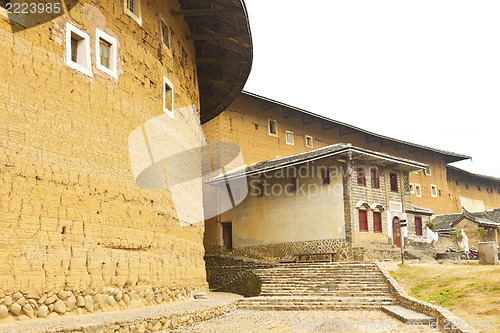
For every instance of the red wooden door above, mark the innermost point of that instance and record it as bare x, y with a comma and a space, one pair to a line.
418, 226
396, 236
377, 222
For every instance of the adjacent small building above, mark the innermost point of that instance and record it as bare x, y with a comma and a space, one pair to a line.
337, 199
479, 227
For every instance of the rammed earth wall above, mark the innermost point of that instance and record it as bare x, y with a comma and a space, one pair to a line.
73, 221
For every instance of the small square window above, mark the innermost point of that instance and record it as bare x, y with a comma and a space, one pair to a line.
479, 188
434, 190
106, 53
428, 170
394, 181
289, 138
272, 126
375, 179
104, 50
361, 175
412, 188
78, 50
133, 9
168, 97
418, 190
309, 141
164, 33
467, 186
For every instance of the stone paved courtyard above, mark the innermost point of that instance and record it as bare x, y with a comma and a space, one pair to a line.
249, 321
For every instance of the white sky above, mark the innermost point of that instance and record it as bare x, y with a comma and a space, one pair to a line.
423, 71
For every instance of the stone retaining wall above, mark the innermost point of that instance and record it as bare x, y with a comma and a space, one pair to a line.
153, 324
49, 304
286, 251
234, 275
442, 315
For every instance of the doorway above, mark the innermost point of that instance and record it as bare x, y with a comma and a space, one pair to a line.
227, 236
396, 236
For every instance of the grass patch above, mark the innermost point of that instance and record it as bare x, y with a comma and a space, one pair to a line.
470, 291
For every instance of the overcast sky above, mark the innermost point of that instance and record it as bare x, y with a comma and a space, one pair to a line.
423, 71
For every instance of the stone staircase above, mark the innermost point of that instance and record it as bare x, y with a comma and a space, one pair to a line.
320, 286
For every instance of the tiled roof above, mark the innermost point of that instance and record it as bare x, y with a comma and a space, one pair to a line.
450, 156
311, 155
421, 210
486, 218
451, 169
447, 221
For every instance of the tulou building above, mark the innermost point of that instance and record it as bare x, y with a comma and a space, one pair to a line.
269, 132
78, 234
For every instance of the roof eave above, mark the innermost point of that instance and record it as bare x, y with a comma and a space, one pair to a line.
450, 157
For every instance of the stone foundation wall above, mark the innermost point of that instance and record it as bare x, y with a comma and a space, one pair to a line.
49, 304
286, 251
234, 275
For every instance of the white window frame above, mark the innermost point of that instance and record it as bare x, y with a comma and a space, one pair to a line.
312, 141
269, 127
83, 56
166, 109
286, 138
137, 17
412, 188
435, 194
428, 170
113, 53
162, 20
418, 193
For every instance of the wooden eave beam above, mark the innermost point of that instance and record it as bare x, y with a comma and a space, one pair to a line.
205, 61
370, 138
266, 107
307, 120
214, 36
413, 150
218, 81
385, 143
205, 12
344, 131
327, 126
288, 114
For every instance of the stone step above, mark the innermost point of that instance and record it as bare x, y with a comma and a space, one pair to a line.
306, 286
329, 294
324, 287
406, 315
311, 303
315, 284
